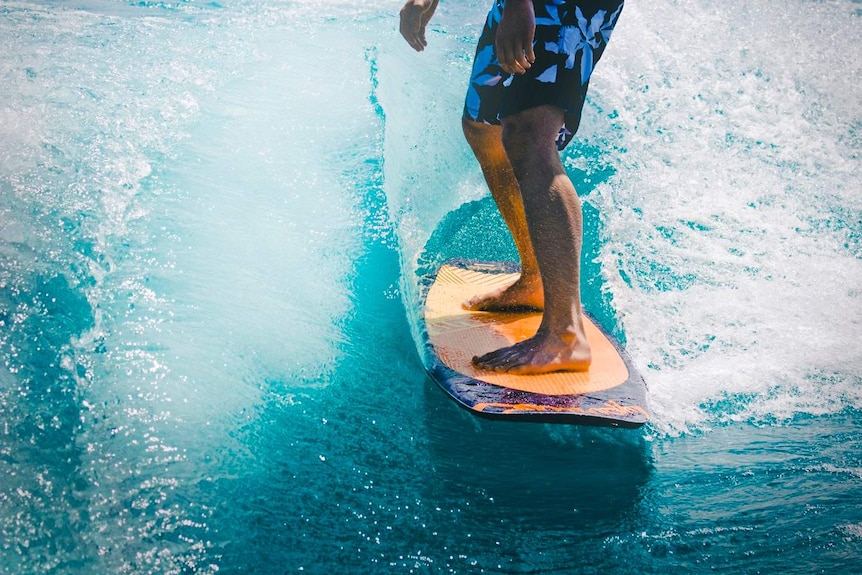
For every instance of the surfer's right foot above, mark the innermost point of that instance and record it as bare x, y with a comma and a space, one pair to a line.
545, 352
523, 294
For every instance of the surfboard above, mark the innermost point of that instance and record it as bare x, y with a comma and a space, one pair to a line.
611, 393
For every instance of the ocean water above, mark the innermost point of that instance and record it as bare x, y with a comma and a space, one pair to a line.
214, 221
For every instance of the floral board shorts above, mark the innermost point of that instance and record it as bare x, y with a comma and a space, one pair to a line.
571, 36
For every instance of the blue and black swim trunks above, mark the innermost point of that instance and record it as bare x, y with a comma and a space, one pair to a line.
571, 36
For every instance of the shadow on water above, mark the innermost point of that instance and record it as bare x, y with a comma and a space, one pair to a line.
563, 476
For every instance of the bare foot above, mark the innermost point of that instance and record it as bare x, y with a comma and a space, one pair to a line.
542, 353
523, 294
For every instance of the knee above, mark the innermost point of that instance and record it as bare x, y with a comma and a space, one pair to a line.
532, 132
513, 135
519, 141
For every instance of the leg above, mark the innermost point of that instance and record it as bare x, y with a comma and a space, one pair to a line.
553, 215
487, 144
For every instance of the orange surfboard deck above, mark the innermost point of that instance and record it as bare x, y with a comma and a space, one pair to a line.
610, 393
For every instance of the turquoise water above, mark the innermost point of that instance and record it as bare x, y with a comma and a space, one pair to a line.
214, 218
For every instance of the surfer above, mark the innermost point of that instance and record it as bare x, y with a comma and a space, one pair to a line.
523, 106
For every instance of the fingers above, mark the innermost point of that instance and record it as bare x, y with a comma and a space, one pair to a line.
506, 58
515, 59
414, 17
411, 27
529, 55
514, 37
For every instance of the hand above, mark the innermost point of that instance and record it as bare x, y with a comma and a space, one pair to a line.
514, 41
414, 17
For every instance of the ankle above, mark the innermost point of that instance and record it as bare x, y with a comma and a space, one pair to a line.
530, 277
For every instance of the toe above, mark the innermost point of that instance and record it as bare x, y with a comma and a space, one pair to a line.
502, 360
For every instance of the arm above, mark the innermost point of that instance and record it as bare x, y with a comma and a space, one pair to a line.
414, 17
514, 41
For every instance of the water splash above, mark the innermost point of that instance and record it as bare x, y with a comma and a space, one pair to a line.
733, 224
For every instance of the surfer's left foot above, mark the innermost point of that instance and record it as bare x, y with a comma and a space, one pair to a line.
524, 294
542, 353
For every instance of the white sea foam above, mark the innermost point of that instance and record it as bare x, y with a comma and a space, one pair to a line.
735, 215
852, 530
